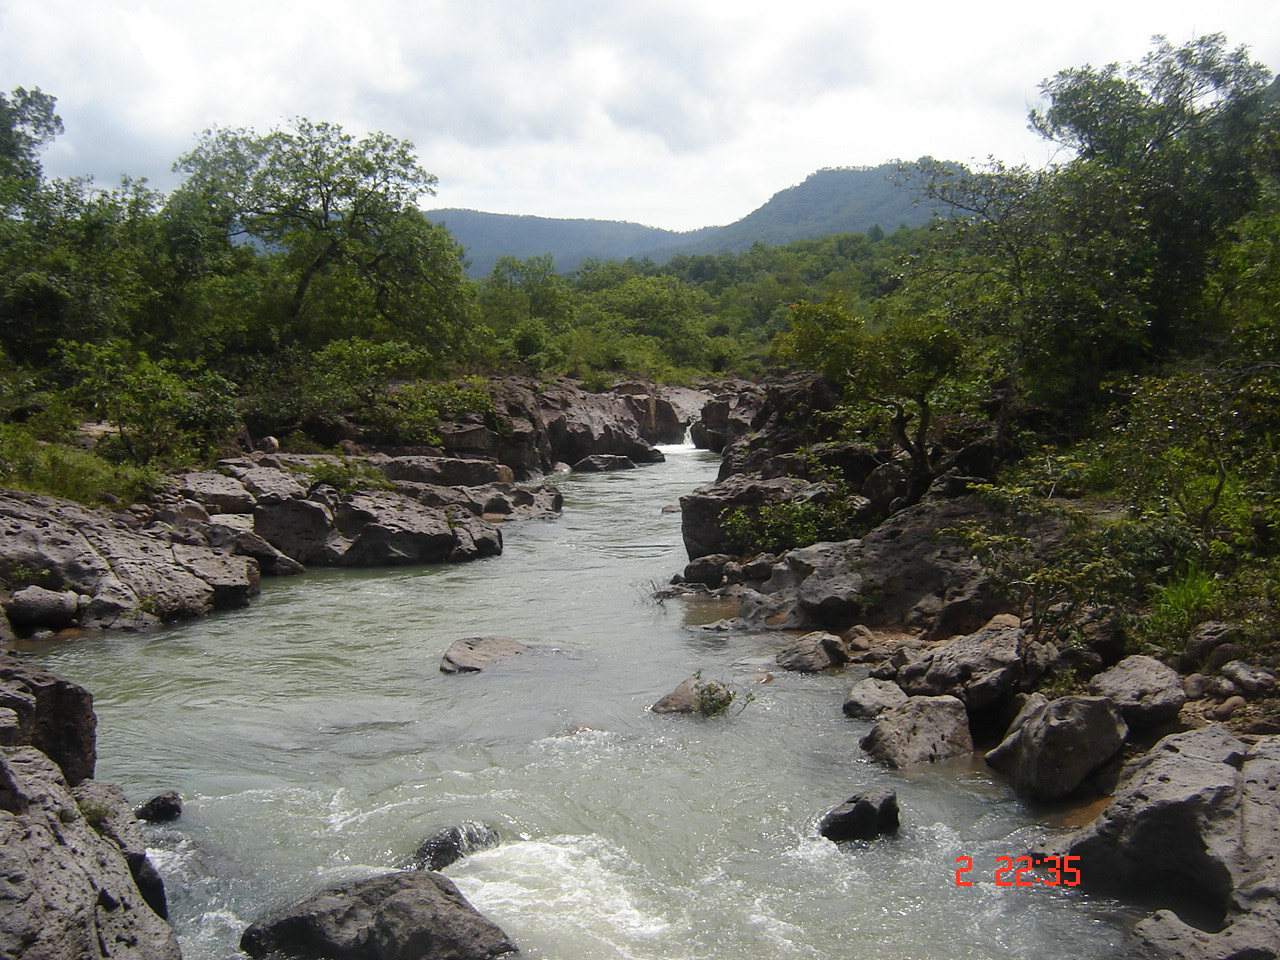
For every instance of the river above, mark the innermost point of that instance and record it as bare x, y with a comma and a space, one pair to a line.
314, 739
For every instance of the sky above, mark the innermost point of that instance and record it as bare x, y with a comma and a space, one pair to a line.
672, 114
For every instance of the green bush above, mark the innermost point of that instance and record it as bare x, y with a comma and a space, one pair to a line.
61, 471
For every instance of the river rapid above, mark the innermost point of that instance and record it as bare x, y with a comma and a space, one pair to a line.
314, 739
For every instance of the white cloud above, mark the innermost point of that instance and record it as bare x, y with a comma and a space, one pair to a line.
677, 114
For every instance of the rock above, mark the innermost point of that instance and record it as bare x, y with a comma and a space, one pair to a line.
51, 714
863, 816
695, 695
450, 844
980, 669
444, 471
122, 577
602, 463
903, 573
1193, 831
473, 654
869, 698
67, 887
105, 807
1054, 746
1204, 639
702, 512
216, 492
409, 915
708, 569
160, 809
1222, 654
1228, 707
1247, 677
812, 652
37, 607
1148, 693
922, 730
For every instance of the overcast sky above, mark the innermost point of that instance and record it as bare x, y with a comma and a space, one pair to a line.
673, 114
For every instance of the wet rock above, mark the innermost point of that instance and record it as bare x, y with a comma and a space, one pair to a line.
409, 915
1148, 693
1054, 746
982, 668
160, 809
863, 816
473, 654
813, 652
708, 569
67, 886
450, 844
696, 695
869, 698
602, 463
922, 730
1193, 831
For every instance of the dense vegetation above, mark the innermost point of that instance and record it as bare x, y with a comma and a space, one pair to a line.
1109, 324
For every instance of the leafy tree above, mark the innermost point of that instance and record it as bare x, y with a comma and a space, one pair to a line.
338, 215
27, 125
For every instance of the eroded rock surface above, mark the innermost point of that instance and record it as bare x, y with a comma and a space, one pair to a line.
921, 730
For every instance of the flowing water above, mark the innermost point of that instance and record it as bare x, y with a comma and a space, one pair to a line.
314, 739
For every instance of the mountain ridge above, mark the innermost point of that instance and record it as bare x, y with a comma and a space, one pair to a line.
830, 200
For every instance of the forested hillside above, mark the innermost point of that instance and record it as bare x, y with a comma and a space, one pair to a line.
1110, 324
844, 200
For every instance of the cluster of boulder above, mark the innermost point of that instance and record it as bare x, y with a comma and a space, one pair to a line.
1193, 830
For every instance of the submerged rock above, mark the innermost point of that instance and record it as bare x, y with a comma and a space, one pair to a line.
473, 654
409, 915
450, 844
696, 695
160, 809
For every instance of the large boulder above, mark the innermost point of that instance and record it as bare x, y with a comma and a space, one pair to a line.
34, 606
869, 698
703, 512
1052, 747
409, 915
1193, 832
66, 880
51, 714
1148, 693
121, 576
863, 816
813, 652
922, 730
980, 669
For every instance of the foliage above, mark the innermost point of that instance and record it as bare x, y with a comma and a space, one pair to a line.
58, 470
345, 475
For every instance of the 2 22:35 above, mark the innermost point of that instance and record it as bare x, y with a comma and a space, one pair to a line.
1058, 868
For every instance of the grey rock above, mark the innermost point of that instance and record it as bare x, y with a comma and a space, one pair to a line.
66, 883
922, 730
869, 698
863, 816
708, 569
1247, 677
1193, 831
1204, 639
980, 669
445, 471
162, 808
51, 714
1148, 693
37, 607
702, 512
409, 915
813, 652
450, 844
216, 492
473, 654
602, 463
695, 695
1052, 747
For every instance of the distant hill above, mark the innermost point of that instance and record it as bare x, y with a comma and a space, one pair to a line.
840, 200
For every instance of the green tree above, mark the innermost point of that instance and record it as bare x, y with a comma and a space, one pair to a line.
28, 124
338, 216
